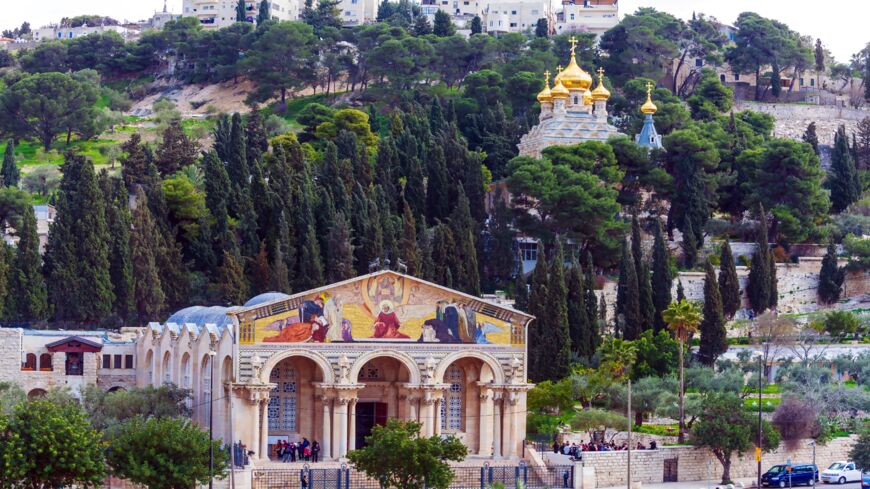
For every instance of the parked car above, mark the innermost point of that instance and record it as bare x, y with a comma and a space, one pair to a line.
841, 473
800, 474
865, 480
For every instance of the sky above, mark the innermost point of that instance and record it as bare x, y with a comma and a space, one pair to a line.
841, 24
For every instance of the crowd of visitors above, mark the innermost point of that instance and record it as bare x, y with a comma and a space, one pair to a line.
574, 450
303, 451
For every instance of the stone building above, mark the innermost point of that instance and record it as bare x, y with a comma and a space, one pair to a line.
330, 363
571, 111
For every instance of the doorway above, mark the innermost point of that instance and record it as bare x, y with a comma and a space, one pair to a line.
368, 415
670, 474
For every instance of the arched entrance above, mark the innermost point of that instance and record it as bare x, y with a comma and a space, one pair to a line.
467, 408
36, 394
167, 374
295, 410
186, 374
384, 378
149, 365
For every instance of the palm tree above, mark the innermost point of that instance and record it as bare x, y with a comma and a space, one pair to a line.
682, 318
617, 357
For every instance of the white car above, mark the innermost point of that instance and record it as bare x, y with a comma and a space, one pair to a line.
841, 473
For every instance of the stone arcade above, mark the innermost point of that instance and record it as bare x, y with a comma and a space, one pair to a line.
329, 364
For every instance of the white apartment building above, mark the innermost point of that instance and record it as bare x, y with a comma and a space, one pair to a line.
595, 16
50, 32
214, 14
513, 16
356, 12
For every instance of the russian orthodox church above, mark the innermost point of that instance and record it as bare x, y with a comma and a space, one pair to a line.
648, 136
572, 112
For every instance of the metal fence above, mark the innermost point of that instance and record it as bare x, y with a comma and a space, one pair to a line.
463, 477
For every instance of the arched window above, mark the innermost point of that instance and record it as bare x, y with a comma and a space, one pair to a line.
282, 402
29, 362
167, 374
149, 363
185, 377
576, 101
45, 362
206, 388
451, 407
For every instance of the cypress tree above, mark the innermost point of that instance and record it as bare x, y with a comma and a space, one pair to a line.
538, 307
437, 203
591, 303
559, 336
247, 225
578, 321
310, 262
135, 167
119, 222
521, 289
149, 295
729, 286
260, 270
7, 283
713, 335
443, 255
774, 287
237, 164
644, 287
424, 243
681, 294
79, 286
629, 320
690, 245
175, 150
843, 178
27, 282
240, 11
232, 284
360, 223
255, 132
262, 16
811, 137
9, 172
340, 264
217, 188
278, 273
391, 228
759, 283
463, 227
173, 270
662, 280
436, 117
831, 277
410, 250
476, 25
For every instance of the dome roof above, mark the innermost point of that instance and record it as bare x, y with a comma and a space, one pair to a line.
202, 315
649, 107
265, 297
600, 92
587, 97
545, 95
559, 91
574, 77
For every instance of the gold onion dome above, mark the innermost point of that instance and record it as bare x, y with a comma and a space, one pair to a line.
559, 91
573, 76
649, 107
587, 97
600, 92
545, 95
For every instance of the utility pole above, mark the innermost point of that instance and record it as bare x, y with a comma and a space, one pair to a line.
758, 448
211, 355
629, 435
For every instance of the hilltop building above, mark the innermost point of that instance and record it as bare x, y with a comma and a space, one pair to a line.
648, 136
571, 111
214, 14
596, 16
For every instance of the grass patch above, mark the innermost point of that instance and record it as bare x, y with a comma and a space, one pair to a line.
30, 153
657, 429
767, 405
768, 389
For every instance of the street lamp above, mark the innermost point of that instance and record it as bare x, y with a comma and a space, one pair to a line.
629, 435
758, 449
211, 355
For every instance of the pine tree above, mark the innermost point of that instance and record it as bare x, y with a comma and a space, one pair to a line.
262, 16
541, 327
421, 26
10, 172
591, 302
759, 282
729, 286
521, 288
810, 137
559, 335
714, 340
240, 11
443, 25
259, 271
629, 320
690, 245
119, 222
231, 280
476, 25
79, 286
340, 264
831, 277
135, 167
662, 280
26, 280
578, 321
541, 28
149, 295
843, 178
175, 150
410, 252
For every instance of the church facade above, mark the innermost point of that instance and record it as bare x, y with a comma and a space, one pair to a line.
331, 363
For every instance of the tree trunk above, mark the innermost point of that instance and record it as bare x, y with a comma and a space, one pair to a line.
726, 469
638, 418
677, 71
68, 136
757, 81
682, 434
283, 95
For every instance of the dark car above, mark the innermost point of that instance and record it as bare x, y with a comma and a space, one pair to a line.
781, 476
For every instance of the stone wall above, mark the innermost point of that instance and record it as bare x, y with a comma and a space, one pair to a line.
10, 354
792, 119
692, 463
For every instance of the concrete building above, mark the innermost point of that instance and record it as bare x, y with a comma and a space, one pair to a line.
571, 112
357, 12
513, 16
214, 14
596, 16
57, 32
45, 215
329, 364
40, 360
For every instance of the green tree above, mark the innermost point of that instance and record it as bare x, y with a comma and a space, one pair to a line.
263, 13
811, 137
170, 453
28, 283
729, 286
240, 11
46, 105
233, 285
644, 284
77, 254
476, 25
410, 250
108, 409
558, 334
725, 428
710, 97
118, 222
759, 282
542, 29
397, 456
149, 296
339, 266
831, 276
643, 44
843, 178
443, 25
714, 341
683, 319
662, 280
629, 320
76, 452
521, 289
657, 355
591, 302
175, 150
579, 325
421, 26
860, 452
537, 306
9, 171
279, 60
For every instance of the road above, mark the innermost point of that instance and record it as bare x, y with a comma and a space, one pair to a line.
713, 485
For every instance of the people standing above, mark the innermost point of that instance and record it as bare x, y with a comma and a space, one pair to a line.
315, 451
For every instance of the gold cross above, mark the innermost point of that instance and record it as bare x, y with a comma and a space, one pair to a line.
649, 87
600, 74
573, 41
547, 77
559, 68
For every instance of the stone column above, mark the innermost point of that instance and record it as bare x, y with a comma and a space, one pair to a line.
336, 429
510, 415
436, 416
351, 442
325, 444
496, 426
485, 448
342, 426
264, 429
413, 408
427, 415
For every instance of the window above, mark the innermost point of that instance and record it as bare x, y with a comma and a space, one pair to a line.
451, 407
534, 11
513, 24
118, 361
801, 81
347, 13
29, 362
45, 362
128, 361
282, 404
513, 12
529, 251
107, 361
60, 35
572, 16
736, 76
699, 62
490, 23
722, 78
